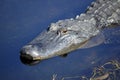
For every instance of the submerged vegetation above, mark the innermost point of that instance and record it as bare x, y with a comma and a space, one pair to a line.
108, 71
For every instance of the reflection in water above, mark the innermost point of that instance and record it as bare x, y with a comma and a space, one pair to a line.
108, 71
28, 61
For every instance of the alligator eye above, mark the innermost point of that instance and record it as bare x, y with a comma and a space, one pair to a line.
64, 31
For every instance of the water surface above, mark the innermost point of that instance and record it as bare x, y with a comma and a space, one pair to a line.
22, 20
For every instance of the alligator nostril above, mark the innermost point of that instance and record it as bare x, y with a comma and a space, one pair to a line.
27, 59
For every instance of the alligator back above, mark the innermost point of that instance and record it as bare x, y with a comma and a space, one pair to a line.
106, 12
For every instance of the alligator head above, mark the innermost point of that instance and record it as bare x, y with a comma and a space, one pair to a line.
60, 38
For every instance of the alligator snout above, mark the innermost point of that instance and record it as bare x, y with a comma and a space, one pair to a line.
27, 58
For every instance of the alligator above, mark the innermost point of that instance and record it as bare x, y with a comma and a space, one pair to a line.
68, 35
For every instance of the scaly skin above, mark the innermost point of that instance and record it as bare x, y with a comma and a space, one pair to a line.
71, 34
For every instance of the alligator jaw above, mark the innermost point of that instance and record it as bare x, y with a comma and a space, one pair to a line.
50, 44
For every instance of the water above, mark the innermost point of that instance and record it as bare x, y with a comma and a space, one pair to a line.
22, 20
